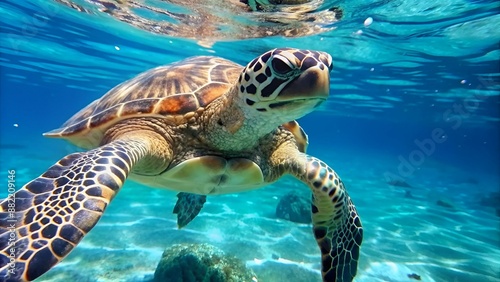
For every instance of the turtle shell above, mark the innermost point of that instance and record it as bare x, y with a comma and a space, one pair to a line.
173, 92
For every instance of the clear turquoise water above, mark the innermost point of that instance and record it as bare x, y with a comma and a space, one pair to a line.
420, 67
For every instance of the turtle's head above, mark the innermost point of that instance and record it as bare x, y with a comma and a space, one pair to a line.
285, 84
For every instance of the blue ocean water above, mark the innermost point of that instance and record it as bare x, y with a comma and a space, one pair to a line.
414, 97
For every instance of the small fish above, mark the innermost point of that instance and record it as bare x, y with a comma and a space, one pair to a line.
445, 204
414, 276
399, 183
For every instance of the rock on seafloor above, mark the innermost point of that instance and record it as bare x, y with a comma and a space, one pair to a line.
200, 263
294, 207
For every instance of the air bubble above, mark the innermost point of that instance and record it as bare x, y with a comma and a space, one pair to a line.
368, 21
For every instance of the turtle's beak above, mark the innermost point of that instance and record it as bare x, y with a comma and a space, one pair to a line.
312, 83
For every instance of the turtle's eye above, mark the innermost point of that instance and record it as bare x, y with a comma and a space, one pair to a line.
281, 65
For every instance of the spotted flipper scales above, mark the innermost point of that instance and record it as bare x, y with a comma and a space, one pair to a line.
188, 206
336, 224
56, 210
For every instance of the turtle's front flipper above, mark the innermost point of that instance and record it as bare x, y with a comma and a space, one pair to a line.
188, 206
336, 224
49, 216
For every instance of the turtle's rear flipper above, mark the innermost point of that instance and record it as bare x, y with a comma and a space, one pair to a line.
43, 221
188, 206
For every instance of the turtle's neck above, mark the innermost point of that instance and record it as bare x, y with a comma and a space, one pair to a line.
229, 127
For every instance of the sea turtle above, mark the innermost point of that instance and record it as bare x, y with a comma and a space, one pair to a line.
204, 125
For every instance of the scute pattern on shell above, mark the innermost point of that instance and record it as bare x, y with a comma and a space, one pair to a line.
174, 89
